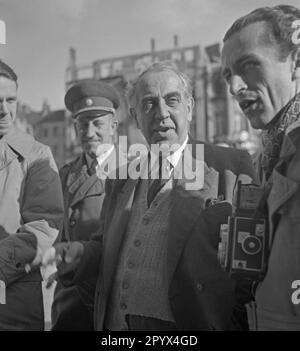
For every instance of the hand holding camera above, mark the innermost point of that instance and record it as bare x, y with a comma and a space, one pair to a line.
244, 239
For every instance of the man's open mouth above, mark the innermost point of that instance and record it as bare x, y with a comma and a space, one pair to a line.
162, 129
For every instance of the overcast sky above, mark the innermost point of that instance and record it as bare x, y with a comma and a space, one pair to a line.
39, 34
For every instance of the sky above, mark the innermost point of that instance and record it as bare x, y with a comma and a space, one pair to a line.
39, 34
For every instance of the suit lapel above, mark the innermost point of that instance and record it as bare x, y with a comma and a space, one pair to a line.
282, 187
113, 237
186, 208
282, 190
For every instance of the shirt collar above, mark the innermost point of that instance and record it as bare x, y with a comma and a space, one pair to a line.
175, 157
172, 160
91, 162
103, 156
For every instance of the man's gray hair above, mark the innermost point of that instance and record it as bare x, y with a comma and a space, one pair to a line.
162, 66
280, 19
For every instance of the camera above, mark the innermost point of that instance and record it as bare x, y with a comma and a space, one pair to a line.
244, 239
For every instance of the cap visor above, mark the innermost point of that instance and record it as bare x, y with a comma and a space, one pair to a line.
94, 112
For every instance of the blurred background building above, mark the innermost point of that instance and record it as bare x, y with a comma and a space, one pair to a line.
216, 118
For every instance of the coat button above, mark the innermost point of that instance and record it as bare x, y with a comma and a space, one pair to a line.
130, 264
137, 243
123, 306
72, 223
200, 287
145, 221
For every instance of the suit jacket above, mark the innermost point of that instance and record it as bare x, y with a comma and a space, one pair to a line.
201, 295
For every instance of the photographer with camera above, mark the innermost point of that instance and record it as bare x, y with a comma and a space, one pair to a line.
261, 65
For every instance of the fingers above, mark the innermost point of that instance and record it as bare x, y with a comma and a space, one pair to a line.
65, 256
56, 254
49, 257
74, 252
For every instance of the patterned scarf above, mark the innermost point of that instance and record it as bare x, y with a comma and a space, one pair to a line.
273, 136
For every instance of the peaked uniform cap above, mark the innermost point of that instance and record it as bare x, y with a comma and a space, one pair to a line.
91, 95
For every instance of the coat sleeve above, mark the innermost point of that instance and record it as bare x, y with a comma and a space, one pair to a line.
41, 208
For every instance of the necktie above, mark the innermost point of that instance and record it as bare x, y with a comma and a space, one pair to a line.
156, 184
93, 166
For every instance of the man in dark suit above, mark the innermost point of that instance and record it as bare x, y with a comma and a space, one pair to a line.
155, 257
93, 106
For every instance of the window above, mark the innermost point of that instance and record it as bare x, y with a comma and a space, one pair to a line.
189, 55
55, 131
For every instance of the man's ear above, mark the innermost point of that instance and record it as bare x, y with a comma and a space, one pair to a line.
133, 115
114, 125
190, 106
76, 128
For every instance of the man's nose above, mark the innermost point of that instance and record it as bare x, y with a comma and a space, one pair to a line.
3, 107
162, 109
90, 130
236, 85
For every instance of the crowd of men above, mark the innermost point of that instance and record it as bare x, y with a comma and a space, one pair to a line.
141, 253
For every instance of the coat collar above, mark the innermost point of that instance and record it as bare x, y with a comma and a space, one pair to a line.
282, 187
20, 142
13, 145
80, 183
290, 140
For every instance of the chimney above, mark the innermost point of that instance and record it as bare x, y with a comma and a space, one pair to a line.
175, 41
152, 45
72, 56
72, 68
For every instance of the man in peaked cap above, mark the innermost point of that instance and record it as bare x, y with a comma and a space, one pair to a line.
93, 105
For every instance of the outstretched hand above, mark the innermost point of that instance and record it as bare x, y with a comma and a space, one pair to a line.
66, 256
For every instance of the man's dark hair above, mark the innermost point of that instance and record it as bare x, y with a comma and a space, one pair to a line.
7, 72
279, 18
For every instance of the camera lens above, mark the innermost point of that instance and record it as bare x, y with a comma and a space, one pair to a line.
251, 245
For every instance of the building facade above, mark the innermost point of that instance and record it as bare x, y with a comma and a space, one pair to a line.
216, 115
51, 130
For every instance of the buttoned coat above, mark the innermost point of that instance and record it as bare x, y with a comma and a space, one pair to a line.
83, 191
31, 214
201, 295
